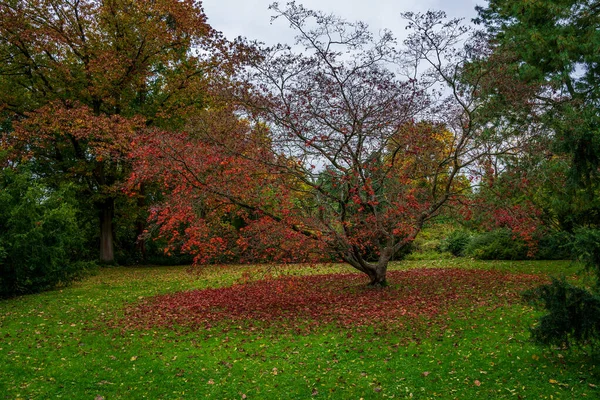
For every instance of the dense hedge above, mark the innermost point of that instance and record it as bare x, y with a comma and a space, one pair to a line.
41, 243
500, 244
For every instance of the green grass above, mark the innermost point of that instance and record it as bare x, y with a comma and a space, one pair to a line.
58, 345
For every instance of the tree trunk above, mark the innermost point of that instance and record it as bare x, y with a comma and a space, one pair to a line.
107, 210
375, 271
140, 244
378, 276
141, 224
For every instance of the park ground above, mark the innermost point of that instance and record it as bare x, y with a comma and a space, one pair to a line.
453, 328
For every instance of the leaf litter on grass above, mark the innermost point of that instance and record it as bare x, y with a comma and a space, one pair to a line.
342, 299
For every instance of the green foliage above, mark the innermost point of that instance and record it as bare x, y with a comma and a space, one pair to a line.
155, 254
555, 246
573, 314
502, 244
586, 245
554, 46
565, 205
499, 244
456, 243
429, 243
41, 243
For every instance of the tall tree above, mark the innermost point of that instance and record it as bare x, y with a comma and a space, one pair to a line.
553, 45
347, 161
79, 78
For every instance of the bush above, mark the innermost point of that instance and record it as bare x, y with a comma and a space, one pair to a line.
428, 243
573, 314
41, 245
555, 246
456, 243
586, 247
155, 254
497, 245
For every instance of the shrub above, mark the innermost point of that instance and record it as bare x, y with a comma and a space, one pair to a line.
428, 244
573, 314
499, 244
586, 247
555, 246
456, 243
157, 256
41, 245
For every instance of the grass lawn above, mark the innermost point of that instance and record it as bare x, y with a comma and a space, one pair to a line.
105, 338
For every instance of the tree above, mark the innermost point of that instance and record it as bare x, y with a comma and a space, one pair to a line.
336, 108
80, 79
217, 202
41, 241
345, 159
553, 47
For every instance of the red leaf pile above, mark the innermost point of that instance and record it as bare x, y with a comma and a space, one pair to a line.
338, 298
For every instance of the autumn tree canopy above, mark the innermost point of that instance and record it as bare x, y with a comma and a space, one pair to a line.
336, 146
80, 79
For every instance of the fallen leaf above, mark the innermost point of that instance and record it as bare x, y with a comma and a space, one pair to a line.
553, 381
134, 358
165, 309
211, 382
477, 383
425, 373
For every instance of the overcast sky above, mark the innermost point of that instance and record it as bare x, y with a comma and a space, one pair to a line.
251, 18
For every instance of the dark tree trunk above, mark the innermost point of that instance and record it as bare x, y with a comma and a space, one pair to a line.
378, 272
107, 211
140, 244
141, 224
378, 276
375, 271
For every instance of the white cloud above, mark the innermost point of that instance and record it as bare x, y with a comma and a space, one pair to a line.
251, 18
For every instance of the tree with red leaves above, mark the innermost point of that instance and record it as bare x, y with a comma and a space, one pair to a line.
329, 145
80, 79
218, 203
